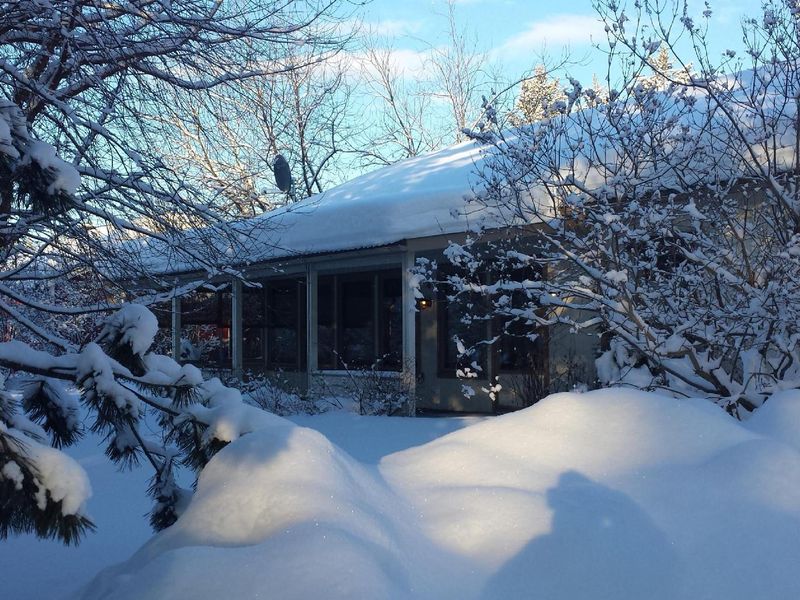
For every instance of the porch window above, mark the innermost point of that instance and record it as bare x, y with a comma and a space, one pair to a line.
359, 320
206, 321
273, 325
516, 352
253, 323
286, 316
357, 344
391, 322
455, 319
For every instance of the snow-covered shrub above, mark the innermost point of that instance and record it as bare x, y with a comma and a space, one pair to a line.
119, 380
666, 219
377, 392
276, 395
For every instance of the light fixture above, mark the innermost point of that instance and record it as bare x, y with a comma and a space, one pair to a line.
424, 303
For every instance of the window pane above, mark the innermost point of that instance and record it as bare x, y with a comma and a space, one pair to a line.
358, 322
516, 352
253, 344
253, 307
163, 313
283, 331
205, 345
326, 325
391, 351
200, 308
225, 309
455, 323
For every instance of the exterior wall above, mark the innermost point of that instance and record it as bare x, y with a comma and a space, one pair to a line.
569, 363
569, 358
437, 390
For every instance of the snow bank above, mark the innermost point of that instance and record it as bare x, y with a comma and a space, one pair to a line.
610, 494
282, 513
779, 418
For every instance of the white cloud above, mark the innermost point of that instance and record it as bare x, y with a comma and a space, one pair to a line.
384, 28
393, 27
558, 30
407, 63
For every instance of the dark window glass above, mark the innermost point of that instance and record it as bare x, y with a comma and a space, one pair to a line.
516, 350
253, 344
357, 322
391, 350
200, 308
283, 331
253, 307
253, 324
205, 344
163, 313
326, 322
455, 322
360, 320
225, 309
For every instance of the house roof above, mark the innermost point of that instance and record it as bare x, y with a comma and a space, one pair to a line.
428, 195
417, 197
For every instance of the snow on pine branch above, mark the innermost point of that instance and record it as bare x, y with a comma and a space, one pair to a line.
119, 380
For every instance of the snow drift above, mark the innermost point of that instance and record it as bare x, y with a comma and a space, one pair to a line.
609, 494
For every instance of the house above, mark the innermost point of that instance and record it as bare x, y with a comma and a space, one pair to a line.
329, 290
335, 290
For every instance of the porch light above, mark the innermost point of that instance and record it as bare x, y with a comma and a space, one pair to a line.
423, 303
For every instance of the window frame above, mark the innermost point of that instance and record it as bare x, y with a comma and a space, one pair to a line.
443, 338
299, 364
379, 337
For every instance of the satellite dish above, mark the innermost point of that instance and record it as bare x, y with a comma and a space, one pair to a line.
283, 176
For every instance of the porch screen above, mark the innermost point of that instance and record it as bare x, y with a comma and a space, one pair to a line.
286, 303
205, 320
359, 320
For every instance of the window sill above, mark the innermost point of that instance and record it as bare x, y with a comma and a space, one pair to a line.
356, 372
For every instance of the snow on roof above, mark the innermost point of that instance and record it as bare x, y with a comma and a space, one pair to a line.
427, 195
417, 197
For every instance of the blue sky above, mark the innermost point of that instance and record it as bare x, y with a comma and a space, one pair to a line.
516, 32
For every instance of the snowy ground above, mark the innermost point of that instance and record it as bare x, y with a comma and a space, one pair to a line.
612, 494
34, 570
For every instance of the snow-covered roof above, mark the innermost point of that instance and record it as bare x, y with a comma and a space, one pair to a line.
427, 195
417, 197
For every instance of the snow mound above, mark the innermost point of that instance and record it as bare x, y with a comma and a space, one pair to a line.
610, 494
779, 418
281, 513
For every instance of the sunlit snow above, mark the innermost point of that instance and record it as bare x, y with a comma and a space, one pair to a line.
608, 494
